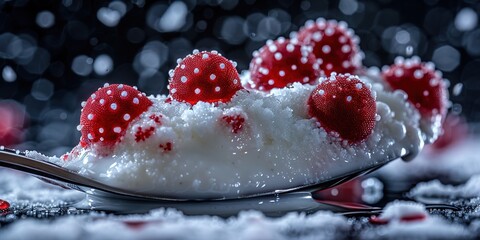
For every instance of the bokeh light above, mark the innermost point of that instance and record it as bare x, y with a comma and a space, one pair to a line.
13, 122
54, 54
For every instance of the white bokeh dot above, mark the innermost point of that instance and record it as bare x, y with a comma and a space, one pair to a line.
103, 64
45, 19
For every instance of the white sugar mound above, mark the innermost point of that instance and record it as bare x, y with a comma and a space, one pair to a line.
278, 147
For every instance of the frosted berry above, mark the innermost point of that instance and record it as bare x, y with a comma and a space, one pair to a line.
282, 62
455, 130
343, 104
204, 76
4, 205
426, 89
334, 45
108, 112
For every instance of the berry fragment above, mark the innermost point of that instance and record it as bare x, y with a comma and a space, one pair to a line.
426, 89
282, 62
166, 147
108, 112
334, 45
343, 104
143, 134
455, 130
204, 76
4, 205
235, 122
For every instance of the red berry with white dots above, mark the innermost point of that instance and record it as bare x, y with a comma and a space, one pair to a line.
426, 89
283, 62
334, 44
204, 76
108, 112
344, 105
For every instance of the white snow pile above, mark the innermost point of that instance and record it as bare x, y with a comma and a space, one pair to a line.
457, 163
16, 187
171, 224
431, 227
435, 188
398, 209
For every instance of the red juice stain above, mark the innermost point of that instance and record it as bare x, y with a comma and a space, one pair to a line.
143, 134
377, 220
4, 205
135, 224
413, 218
408, 218
156, 118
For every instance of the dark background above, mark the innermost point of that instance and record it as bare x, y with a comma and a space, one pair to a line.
52, 53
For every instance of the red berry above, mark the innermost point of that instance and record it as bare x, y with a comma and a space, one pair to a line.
4, 205
204, 76
455, 129
425, 87
343, 104
281, 63
108, 112
13, 119
334, 44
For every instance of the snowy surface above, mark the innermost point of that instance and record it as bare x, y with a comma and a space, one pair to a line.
435, 188
170, 224
456, 163
25, 192
430, 227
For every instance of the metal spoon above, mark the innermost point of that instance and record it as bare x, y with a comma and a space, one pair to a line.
105, 197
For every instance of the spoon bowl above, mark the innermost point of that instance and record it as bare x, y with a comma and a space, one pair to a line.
106, 197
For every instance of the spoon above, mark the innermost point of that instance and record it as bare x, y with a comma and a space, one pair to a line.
105, 197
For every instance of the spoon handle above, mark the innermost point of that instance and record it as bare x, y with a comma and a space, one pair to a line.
50, 172
55, 174
19, 161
